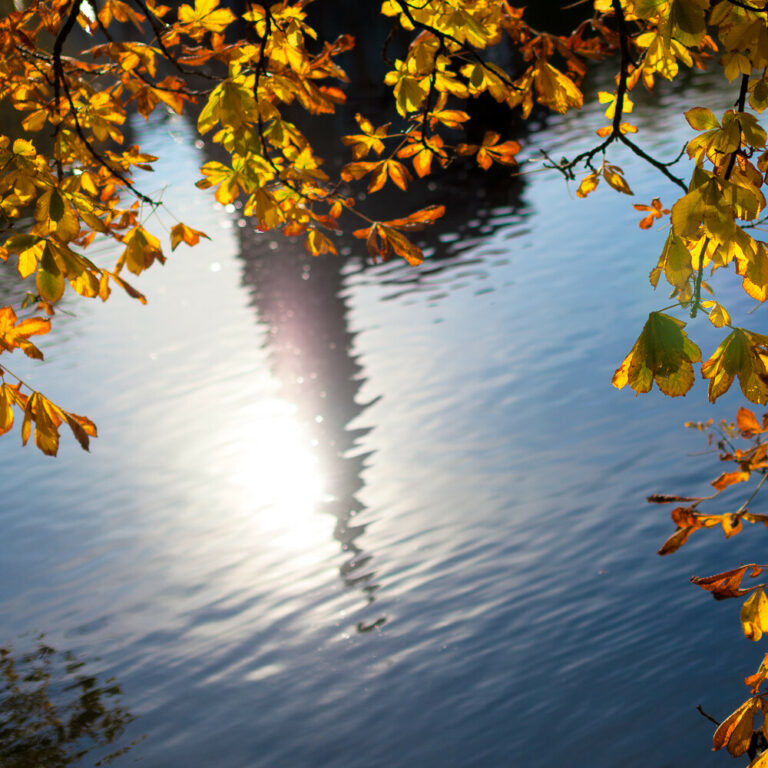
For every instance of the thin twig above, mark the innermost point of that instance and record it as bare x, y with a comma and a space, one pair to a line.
709, 717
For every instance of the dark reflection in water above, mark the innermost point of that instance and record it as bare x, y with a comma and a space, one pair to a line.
301, 300
53, 712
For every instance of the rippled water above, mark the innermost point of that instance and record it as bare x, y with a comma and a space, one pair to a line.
344, 515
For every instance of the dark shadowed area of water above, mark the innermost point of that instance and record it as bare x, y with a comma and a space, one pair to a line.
344, 515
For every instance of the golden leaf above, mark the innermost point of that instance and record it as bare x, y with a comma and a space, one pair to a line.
754, 615
615, 177
588, 184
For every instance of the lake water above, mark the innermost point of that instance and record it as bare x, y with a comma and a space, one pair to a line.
347, 515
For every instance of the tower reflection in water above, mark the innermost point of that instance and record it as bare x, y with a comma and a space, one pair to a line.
299, 300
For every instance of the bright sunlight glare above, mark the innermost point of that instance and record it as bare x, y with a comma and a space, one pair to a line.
277, 475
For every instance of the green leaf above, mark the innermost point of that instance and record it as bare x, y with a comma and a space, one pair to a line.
743, 354
662, 353
689, 20
676, 259
49, 279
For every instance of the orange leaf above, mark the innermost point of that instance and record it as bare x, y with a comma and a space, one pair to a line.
182, 233
419, 219
728, 583
379, 177
317, 243
747, 423
676, 540
756, 680
729, 478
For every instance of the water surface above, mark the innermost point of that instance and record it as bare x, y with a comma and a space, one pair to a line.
344, 515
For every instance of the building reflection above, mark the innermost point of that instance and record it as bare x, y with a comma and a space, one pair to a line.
302, 303
54, 713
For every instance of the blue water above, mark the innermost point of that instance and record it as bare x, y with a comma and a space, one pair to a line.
343, 515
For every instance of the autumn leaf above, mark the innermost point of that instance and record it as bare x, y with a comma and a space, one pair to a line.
418, 219
381, 239
611, 99
655, 211
46, 418
491, 151
182, 233
742, 354
409, 88
754, 615
15, 333
451, 118
729, 478
756, 680
728, 583
735, 732
555, 89
588, 184
317, 243
615, 178
666, 498
205, 15
717, 314
747, 423
142, 249
49, 279
370, 139
663, 353
422, 153
675, 262
7, 401
687, 523
393, 169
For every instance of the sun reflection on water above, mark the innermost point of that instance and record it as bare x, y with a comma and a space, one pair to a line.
278, 476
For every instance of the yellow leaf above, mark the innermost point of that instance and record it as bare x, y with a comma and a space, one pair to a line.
556, 89
702, 119
588, 184
6, 408
24, 148
761, 761
317, 243
28, 259
142, 249
611, 99
263, 203
718, 315
754, 616
676, 261
732, 732
207, 15
687, 213
615, 177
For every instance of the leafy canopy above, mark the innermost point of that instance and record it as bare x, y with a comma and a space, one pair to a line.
74, 70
